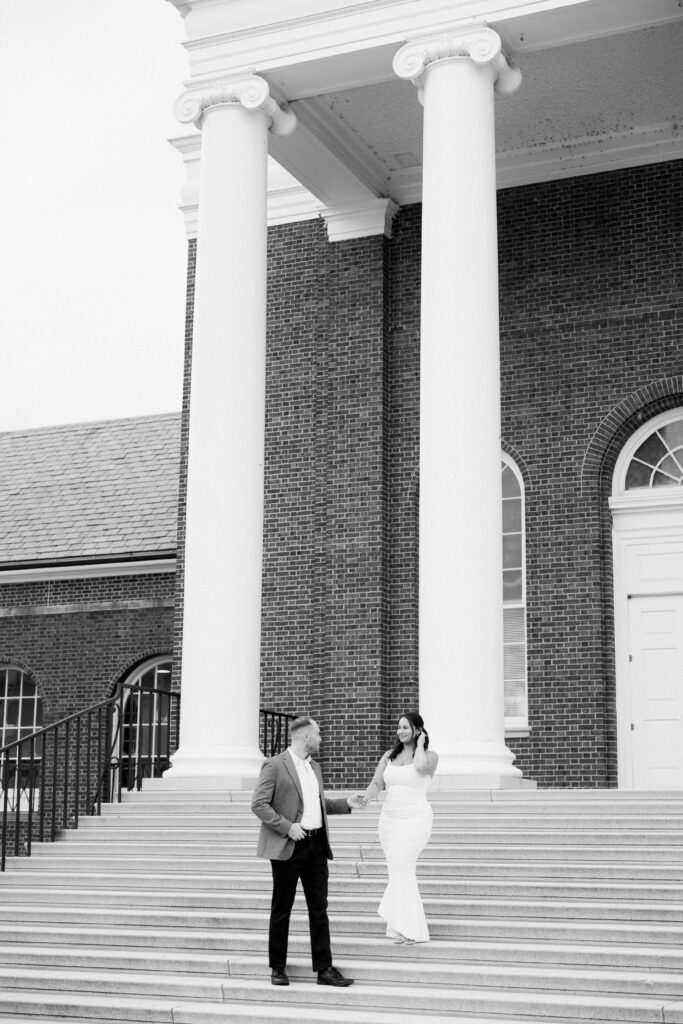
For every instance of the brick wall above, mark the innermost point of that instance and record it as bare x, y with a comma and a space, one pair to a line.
325, 584
182, 485
590, 273
77, 638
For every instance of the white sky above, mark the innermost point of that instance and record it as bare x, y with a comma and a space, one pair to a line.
92, 261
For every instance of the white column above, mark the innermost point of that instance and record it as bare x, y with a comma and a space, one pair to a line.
461, 618
223, 548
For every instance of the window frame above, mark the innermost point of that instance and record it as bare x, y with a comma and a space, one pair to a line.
37, 723
636, 495
518, 725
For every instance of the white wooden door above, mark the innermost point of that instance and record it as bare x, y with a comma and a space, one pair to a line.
656, 691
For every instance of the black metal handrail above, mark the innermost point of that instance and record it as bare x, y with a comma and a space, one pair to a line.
84, 760
274, 731
75, 765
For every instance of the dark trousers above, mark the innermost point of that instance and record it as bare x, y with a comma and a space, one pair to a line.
308, 863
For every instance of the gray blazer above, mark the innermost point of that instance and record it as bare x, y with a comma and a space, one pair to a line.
278, 802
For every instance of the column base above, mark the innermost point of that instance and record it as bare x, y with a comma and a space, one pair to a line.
477, 766
482, 781
216, 767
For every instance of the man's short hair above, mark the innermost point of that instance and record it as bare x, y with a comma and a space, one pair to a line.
302, 722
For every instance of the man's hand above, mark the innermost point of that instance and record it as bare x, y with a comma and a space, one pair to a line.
356, 801
296, 832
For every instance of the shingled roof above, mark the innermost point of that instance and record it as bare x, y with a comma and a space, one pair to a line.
90, 490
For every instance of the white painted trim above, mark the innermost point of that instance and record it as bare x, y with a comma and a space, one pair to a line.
237, 36
640, 516
644, 146
374, 217
86, 571
333, 134
287, 206
518, 726
591, 155
632, 528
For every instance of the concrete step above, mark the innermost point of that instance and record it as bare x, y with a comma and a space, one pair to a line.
420, 997
157, 961
425, 999
585, 871
574, 951
222, 825
178, 987
436, 908
159, 889
83, 1006
109, 854
480, 975
444, 816
287, 1011
168, 789
275, 1013
21, 962
653, 843
506, 923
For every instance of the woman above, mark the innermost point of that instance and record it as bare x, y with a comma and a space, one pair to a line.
405, 825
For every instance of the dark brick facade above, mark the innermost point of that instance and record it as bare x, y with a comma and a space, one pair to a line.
325, 607
182, 484
591, 288
78, 638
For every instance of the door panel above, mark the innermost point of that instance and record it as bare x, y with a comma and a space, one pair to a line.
656, 691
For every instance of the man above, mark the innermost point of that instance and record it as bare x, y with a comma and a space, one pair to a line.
293, 809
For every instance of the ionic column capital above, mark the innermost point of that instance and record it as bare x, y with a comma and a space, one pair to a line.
253, 93
481, 44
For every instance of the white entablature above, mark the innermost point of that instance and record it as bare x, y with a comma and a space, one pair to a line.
602, 90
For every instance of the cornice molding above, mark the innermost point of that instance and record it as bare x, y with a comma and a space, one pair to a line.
649, 504
253, 93
87, 570
240, 35
481, 44
593, 155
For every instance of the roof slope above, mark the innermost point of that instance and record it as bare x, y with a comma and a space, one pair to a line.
90, 490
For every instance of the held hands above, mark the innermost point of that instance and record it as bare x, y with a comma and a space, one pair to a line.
357, 801
296, 832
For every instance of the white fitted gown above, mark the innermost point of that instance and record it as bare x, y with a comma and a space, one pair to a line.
405, 826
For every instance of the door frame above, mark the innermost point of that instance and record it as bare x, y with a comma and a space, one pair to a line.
645, 523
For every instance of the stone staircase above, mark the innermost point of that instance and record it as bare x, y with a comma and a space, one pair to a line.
543, 906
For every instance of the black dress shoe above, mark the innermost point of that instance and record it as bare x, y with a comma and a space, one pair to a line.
331, 976
279, 976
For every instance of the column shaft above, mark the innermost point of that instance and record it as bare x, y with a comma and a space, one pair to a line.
223, 553
461, 624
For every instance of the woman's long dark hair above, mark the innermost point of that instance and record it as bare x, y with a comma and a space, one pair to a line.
418, 725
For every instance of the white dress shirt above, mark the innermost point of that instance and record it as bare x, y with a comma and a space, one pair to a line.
313, 815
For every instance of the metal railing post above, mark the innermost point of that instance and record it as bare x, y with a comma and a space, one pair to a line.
32, 789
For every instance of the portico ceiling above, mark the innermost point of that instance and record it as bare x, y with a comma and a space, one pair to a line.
612, 99
602, 87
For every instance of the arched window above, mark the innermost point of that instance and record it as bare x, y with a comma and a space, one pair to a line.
146, 722
514, 598
21, 714
655, 456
